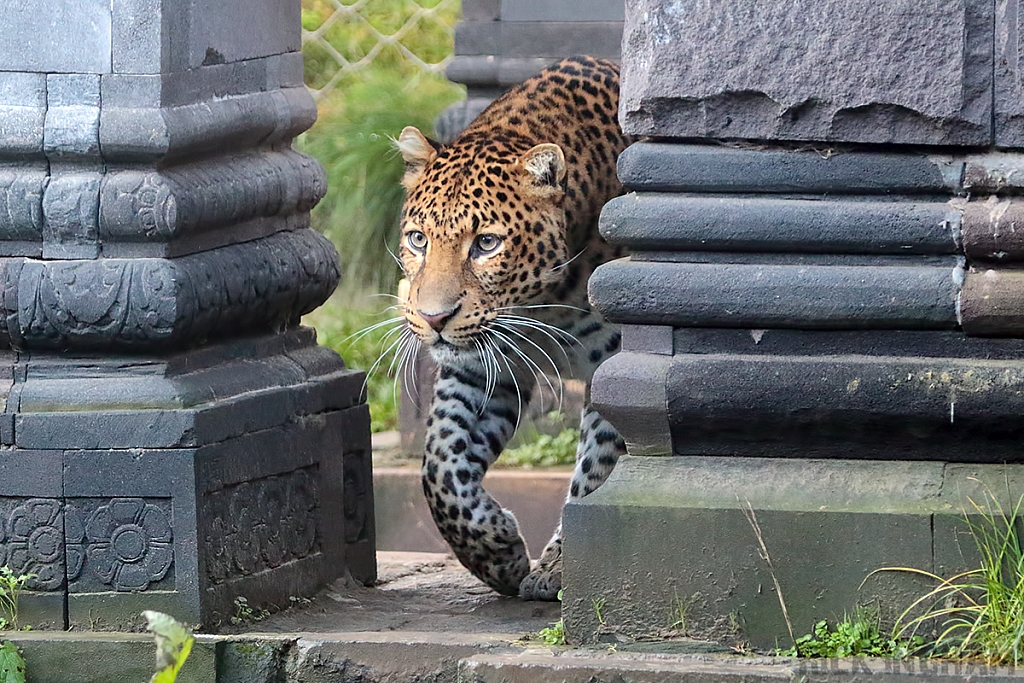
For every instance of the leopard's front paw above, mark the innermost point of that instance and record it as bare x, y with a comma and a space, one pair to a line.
543, 583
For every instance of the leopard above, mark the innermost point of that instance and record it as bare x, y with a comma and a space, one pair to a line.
499, 237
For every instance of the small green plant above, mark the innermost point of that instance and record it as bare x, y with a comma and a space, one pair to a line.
598, 604
554, 634
173, 645
980, 612
246, 613
545, 451
679, 612
12, 666
857, 636
11, 586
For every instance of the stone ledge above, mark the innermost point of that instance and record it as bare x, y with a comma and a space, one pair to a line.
827, 524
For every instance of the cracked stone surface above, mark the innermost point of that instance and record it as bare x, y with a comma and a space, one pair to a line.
414, 592
785, 71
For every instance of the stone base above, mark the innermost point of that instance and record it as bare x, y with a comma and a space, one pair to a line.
826, 524
183, 482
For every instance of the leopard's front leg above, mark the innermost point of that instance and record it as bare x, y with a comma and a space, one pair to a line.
599, 449
466, 431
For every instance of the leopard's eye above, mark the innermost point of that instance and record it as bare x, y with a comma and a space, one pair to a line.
416, 241
486, 244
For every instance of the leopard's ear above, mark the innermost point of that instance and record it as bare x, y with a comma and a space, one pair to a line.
417, 151
545, 165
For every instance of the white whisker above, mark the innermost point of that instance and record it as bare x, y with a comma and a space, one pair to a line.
544, 353
531, 364
578, 254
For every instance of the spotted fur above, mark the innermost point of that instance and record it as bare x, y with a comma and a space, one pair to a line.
499, 238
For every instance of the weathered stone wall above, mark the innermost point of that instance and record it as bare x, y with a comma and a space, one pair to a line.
822, 311
170, 438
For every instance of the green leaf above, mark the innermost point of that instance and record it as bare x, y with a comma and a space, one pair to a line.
173, 645
12, 666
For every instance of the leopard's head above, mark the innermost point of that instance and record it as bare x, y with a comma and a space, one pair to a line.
483, 232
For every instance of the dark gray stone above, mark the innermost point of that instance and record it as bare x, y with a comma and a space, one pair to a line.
1008, 85
72, 115
481, 10
656, 339
908, 343
664, 167
567, 10
150, 202
271, 28
251, 430
909, 72
159, 303
810, 514
175, 204
74, 658
630, 391
797, 394
23, 107
137, 39
71, 212
55, 36
832, 406
551, 39
665, 222
778, 296
486, 71
21, 207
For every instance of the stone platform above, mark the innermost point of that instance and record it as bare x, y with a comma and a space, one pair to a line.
428, 620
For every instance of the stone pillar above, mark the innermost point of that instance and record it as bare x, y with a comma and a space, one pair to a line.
501, 43
823, 310
172, 439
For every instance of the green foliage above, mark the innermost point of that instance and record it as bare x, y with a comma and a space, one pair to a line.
554, 634
428, 37
679, 610
360, 117
980, 612
246, 613
598, 604
173, 645
12, 666
338, 326
858, 636
353, 140
545, 451
11, 586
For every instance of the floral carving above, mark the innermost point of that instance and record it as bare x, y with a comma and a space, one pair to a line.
261, 524
35, 543
129, 544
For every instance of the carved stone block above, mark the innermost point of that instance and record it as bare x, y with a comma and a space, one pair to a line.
266, 492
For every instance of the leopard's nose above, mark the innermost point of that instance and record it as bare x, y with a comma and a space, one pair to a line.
437, 321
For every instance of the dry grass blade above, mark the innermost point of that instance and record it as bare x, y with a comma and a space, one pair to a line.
748, 512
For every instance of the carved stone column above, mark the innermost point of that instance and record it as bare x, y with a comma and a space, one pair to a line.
823, 311
501, 43
171, 438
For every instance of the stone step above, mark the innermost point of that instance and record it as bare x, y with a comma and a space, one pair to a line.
402, 656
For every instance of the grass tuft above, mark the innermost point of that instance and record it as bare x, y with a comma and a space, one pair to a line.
978, 613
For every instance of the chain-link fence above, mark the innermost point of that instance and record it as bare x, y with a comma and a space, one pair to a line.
346, 40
